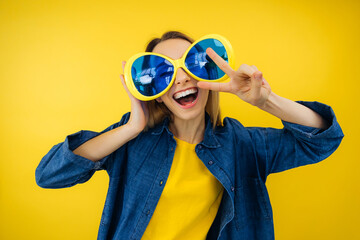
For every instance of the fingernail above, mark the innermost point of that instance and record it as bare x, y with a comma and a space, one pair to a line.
258, 76
209, 51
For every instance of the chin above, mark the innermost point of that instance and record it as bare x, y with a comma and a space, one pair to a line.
190, 115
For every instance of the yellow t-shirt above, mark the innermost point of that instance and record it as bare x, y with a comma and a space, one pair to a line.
190, 199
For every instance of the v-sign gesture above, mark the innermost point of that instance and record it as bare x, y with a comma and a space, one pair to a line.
247, 82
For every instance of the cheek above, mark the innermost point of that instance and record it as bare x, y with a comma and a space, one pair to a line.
205, 95
166, 98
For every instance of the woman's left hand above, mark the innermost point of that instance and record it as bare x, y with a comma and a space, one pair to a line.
247, 82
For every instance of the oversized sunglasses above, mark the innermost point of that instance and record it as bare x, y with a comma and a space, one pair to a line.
149, 75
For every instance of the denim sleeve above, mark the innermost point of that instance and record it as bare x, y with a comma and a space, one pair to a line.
296, 145
61, 168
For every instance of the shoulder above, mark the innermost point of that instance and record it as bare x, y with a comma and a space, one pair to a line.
232, 126
229, 122
231, 130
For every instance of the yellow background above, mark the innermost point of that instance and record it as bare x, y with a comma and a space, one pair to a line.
59, 69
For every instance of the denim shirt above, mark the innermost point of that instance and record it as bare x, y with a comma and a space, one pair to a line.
240, 157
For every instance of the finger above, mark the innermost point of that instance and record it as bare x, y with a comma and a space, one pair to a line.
132, 98
254, 67
257, 70
220, 62
265, 83
123, 65
123, 83
256, 82
246, 70
122, 80
219, 87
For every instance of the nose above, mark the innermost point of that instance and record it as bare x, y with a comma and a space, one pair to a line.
181, 77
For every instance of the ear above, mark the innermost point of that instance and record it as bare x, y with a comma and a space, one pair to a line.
159, 100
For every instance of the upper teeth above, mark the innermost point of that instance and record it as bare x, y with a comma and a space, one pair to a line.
185, 93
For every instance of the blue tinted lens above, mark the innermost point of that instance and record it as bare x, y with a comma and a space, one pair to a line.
151, 74
200, 64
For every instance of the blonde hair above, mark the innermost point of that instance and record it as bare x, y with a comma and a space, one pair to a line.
158, 111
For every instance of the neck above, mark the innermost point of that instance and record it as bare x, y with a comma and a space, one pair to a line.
191, 131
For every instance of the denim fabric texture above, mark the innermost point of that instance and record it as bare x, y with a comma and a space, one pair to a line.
240, 157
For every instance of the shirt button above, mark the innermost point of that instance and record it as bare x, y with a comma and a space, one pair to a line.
232, 189
148, 212
161, 183
211, 162
200, 147
172, 149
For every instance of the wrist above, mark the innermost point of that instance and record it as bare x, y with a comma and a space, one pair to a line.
270, 103
132, 130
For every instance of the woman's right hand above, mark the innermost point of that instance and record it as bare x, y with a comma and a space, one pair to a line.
139, 112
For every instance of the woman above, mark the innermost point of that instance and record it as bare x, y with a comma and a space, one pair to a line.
177, 172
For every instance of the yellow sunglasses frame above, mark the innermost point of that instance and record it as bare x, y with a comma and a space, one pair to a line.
178, 63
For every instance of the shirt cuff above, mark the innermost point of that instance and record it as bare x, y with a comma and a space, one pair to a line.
333, 131
75, 140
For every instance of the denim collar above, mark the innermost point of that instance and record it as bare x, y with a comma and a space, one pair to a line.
210, 140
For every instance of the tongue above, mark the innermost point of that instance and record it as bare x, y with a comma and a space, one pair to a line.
186, 100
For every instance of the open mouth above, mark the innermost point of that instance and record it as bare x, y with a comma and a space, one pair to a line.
186, 97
